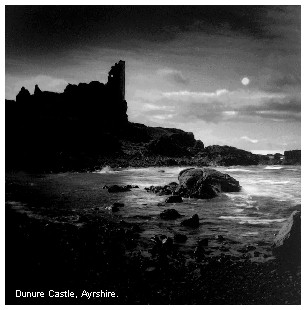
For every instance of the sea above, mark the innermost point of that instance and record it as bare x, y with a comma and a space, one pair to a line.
269, 194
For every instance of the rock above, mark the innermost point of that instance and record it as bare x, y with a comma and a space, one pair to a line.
151, 270
199, 252
105, 187
174, 144
287, 243
203, 242
250, 248
169, 189
118, 189
162, 245
219, 238
205, 183
180, 238
129, 186
292, 157
192, 222
160, 190
170, 214
118, 204
174, 199
229, 156
197, 147
112, 208
167, 242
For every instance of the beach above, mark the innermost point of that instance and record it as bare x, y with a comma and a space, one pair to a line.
62, 234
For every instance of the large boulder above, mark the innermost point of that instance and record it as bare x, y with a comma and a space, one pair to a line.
205, 183
287, 243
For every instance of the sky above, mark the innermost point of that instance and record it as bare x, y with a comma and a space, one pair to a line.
229, 74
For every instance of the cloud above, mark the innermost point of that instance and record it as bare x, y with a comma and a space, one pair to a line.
163, 117
173, 76
249, 139
225, 106
284, 82
189, 95
45, 83
152, 107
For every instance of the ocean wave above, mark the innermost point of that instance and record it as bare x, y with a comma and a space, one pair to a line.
273, 182
251, 220
250, 233
238, 170
238, 210
273, 168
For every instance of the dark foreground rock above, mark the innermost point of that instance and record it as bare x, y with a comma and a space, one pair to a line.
287, 243
118, 189
170, 214
192, 222
180, 238
118, 204
205, 183
168, 189
174, 199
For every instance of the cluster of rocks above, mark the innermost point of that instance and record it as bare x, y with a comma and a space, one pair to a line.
203, 183
169, 189
206, 183
119, 188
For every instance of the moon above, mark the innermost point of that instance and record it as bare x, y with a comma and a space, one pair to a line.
245, 81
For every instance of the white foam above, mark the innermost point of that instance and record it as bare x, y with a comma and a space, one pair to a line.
273, 182
238, 170
238, 210
273, 167
251, 220
250, 233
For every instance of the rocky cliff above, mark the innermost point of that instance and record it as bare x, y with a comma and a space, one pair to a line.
75, 129
87, 126
292, 157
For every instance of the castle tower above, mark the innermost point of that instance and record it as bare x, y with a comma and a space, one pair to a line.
116, 78
121, 65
